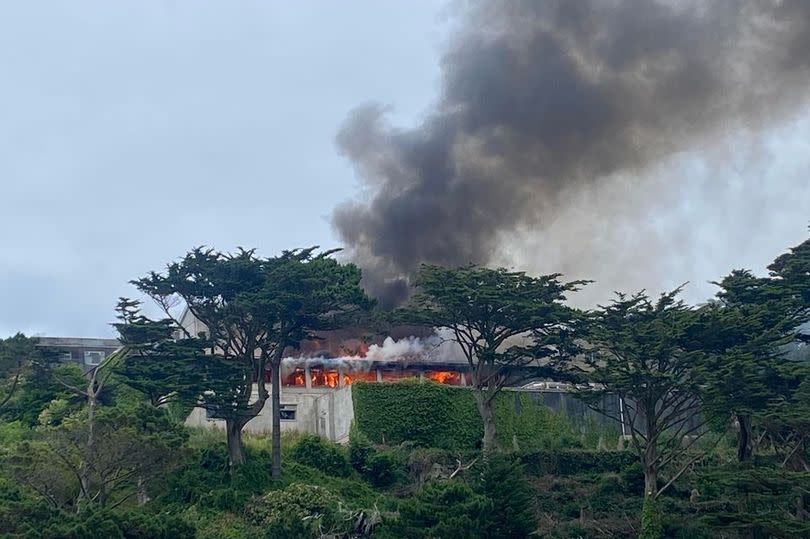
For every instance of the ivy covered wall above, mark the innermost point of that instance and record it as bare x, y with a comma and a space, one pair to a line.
434, 415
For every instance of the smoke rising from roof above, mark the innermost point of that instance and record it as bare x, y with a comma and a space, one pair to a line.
542, 98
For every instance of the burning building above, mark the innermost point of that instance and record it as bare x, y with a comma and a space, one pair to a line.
316, 378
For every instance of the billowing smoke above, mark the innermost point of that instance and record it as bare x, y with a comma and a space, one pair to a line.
437, 347
543, 98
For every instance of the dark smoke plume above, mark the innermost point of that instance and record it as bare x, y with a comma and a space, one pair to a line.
541, 97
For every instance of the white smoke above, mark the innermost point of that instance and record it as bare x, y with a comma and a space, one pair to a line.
438, 347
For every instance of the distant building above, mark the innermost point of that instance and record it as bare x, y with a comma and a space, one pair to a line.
85, 352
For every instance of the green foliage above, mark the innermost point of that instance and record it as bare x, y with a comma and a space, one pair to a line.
16, 354
11, 433
360, 448
220, 525
40, 387
329, 457
577, 461
99, 524
313, 506
503, 483
756, 498
434, 415
252, 309
380, 468
496, 503
131, 445
441, 510
651, 526
484, 309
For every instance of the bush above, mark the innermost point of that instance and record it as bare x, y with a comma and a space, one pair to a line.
440, 510
311, 506
222, 526
576, 461
328, 457
104, 524
503, 484
360, 448
206, 479
289, 527
380, 468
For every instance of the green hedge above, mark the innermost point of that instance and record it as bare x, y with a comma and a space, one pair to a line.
434, 415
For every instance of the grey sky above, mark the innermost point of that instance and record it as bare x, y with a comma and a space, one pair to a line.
133, 131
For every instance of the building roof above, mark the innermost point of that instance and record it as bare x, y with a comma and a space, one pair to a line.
79, 342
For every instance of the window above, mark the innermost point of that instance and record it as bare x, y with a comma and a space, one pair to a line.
287, 412
65, 356
94, 357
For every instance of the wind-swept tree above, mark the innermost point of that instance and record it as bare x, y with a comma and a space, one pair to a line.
642, 351
91, 389
746, 331
253, 309
754, 320
502, 320
792, 271
163, 363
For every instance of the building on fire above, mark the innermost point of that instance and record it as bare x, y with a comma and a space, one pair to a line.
316, 379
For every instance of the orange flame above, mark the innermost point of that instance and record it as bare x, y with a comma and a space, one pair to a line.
322, 377
366, 376
296, 378
444, 377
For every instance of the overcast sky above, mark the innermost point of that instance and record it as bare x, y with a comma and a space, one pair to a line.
131, 132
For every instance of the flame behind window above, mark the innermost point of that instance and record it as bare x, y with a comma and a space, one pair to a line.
451, 378
296, 378
321, 377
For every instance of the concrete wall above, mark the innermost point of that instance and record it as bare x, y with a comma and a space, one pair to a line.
329, 412
326, 412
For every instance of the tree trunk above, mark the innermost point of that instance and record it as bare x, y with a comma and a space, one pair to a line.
276, 409
650, 466
89, 454
233, 429
650, 482
142, 496
485, 408
744, 438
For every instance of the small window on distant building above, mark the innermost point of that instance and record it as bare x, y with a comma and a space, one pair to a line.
93, 357
287, 412
65, 356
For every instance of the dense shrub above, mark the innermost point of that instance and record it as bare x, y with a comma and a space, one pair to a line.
381, 468
299, 509
104, 524
503, 483
496, 502
206, 479
360, 448
439, 510
434, 415
328, 457
576, 461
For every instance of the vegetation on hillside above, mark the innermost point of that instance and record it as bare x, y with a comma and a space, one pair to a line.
718, 415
